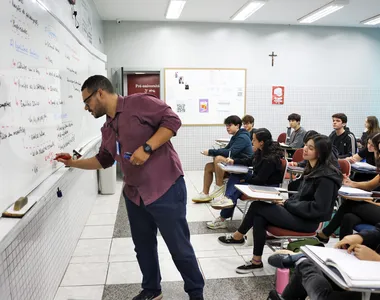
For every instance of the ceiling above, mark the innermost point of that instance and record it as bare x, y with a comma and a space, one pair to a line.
273, 12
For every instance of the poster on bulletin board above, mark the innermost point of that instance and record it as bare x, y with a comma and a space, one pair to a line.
205, 96
278, 94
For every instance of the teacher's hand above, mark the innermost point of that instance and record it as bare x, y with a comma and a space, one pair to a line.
139, 157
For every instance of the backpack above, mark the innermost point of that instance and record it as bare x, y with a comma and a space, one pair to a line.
296, 245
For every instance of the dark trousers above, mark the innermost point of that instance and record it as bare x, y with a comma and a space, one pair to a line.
350, 214
261, 214
233, 193
168, 214
308, 280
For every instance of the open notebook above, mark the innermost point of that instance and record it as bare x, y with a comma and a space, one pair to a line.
356, 273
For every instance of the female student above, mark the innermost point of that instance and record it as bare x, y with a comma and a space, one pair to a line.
302, 212
352, 213
367, 153
266, 163
371, 126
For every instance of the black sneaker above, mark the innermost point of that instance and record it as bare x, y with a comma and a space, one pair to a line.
321, 239
284, 261
197, 298
228, 240
248, 268
273, 295
148, 295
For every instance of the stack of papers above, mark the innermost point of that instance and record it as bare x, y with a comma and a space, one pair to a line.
236, 169
363, 166
349, 191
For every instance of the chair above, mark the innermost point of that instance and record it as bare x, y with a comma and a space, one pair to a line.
345, 166
284, 166
280, 235
297, 157
282, 138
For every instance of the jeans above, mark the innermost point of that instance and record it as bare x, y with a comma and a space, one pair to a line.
168, 214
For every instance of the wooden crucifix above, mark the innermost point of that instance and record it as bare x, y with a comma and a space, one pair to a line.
273, 56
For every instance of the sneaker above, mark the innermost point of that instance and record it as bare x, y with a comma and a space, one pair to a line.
273, 295
321, 239
148, 295
217, 191
197, 298
201, 197
217, 224
248, 268
228, 240
284, 261
222, 202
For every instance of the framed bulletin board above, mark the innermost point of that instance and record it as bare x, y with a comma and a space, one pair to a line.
205, 96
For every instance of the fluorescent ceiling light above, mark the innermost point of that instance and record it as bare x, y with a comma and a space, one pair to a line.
372, 21
247, 10
175, 9
323, 11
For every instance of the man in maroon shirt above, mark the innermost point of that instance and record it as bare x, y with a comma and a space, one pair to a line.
137, 134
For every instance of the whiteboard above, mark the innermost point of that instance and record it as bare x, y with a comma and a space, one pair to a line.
42, 68
205, 96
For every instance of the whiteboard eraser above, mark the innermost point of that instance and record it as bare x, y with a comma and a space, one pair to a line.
20, 203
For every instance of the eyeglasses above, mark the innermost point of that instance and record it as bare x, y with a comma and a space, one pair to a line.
88, 98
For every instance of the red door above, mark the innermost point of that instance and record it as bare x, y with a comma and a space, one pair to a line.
144, 83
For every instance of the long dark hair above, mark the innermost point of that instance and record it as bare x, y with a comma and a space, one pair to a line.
373, 124
323, 147
271, 149
375, 141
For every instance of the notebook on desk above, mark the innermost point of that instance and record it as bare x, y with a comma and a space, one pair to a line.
284, 145
350, 191
246, 190
355, 273
236, 169
363, 166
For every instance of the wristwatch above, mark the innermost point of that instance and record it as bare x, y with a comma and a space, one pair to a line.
147, 148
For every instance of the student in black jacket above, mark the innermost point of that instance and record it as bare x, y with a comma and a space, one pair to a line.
352, 213
266, 163
309, 280
302, 212
342, 138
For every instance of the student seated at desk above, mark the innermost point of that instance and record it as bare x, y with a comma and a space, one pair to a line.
266, 163
248, 123
240, 146
351, 212
342, 138
297, 136
302, 212
367, 153
309, 280
371, 126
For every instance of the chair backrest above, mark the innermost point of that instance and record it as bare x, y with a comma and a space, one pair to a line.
284, 167
298, 155
282, 138
345, 166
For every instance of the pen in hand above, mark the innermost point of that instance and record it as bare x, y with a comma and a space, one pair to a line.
229, 154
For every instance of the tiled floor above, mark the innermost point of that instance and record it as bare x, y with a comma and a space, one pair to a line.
104, 265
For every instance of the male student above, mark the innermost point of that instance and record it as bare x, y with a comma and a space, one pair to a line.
248, 123
137, 134
309, 280
240, 146
342, 138
296, 137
